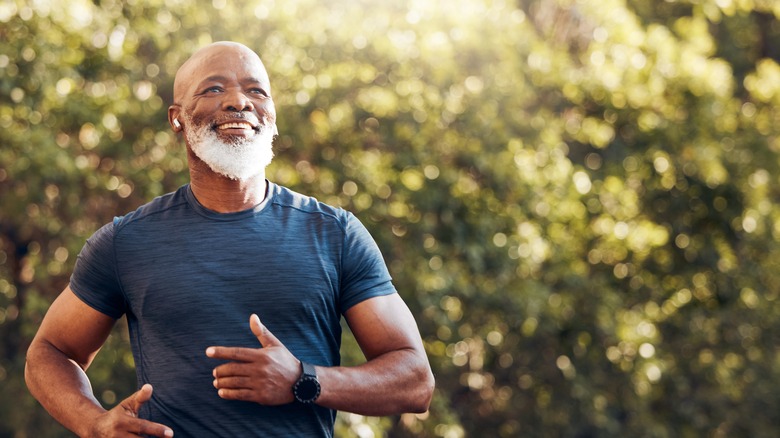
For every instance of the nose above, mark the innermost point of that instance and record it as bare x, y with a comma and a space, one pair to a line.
237, 101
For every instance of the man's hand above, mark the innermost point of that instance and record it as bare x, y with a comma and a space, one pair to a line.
261, 375
123, 419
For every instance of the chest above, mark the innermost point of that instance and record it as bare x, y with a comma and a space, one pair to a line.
186, 279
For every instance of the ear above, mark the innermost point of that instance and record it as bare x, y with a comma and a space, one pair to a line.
174, 112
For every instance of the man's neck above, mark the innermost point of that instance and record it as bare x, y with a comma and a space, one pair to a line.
225, 195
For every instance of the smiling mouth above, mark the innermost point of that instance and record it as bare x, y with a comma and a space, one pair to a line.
235, 125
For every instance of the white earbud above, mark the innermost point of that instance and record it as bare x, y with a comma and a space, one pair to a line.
176, 123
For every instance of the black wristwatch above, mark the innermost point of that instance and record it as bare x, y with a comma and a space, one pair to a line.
307, 388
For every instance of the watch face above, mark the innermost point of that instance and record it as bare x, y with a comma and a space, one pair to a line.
307, 389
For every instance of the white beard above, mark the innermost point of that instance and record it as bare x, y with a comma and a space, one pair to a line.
238, 160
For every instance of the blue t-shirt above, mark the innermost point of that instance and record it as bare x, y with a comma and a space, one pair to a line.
188, 278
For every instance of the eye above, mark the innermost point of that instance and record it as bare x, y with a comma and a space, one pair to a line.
258, 91
213, 89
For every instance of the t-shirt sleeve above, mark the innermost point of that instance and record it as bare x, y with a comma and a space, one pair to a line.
364, 272
94, 279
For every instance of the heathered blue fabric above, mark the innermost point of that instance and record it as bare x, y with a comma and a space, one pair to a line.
188, 278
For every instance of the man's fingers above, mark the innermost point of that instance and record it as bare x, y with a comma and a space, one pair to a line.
238, 354
148, 428
133, 403
233, 382
266, 338
231, 369
236, 394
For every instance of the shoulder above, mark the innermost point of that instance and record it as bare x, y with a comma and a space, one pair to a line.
158, 206
286, 198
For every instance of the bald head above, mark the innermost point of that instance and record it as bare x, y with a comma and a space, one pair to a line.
221, 80
214, 54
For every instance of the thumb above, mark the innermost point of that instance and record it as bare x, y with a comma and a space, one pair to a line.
133, 403
266, 338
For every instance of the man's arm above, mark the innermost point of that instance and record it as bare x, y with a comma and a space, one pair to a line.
69, 338
397, 377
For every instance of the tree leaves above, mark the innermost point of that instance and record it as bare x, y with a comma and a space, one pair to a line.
578, 200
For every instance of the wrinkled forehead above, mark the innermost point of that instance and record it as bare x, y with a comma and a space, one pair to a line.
218, 59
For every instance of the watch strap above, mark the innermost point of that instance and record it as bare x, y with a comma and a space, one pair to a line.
308, 369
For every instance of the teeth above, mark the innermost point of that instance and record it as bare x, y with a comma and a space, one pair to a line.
235, 125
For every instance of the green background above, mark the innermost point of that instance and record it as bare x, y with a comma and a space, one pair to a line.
577, 199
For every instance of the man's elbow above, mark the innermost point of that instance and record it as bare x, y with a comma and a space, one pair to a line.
423, 393
30, 367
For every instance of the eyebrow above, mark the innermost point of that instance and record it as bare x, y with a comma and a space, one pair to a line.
244, 81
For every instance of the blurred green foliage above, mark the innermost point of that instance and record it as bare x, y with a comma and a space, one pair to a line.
578, 199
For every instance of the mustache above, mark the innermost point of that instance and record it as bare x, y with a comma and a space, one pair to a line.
227, 118
261, 124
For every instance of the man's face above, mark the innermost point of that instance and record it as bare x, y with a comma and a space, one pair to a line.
227, 113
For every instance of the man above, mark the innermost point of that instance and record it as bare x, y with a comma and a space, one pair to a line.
233, 288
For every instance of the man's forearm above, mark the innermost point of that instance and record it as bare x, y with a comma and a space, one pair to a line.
393, 383
61, 386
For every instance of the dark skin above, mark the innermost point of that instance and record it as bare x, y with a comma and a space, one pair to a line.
227, 82
66, 343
